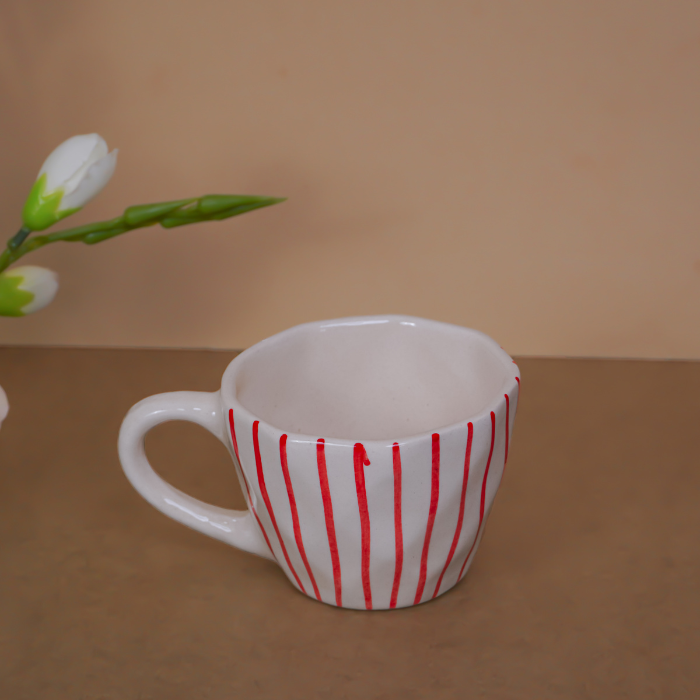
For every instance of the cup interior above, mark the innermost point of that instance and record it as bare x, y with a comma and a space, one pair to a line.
373, 378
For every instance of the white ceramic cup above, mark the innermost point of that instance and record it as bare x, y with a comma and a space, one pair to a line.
369, 451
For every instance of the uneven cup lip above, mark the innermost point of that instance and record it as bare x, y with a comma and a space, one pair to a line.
230, 400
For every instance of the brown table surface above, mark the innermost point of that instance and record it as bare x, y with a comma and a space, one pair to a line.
586, 585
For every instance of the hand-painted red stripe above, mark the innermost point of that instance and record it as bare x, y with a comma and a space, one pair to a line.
245, 481
398, 528
295, 514
361, 460
460, 518
233, 434
330, 523
483, 493
266, 498
434, 496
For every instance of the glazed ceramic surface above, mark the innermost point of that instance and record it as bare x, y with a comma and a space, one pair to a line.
4, 406
369, 451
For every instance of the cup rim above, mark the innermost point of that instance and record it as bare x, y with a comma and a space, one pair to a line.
230, 400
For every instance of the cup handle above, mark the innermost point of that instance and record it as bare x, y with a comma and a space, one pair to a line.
235, 527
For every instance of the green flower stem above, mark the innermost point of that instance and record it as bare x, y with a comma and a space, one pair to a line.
19, 238
212, 207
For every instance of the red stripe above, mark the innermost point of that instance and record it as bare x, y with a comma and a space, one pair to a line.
266, 498
434, 495
295, 514
361, 460
330, 524
460, 519
245, 481
483, 493
398, 530
233, 435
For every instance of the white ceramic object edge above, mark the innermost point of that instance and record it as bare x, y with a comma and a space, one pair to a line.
234, 527
4, 405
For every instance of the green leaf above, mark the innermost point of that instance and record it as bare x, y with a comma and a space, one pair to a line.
241, 209
214, 203
141, 214
99, 236
78, 233
172, 222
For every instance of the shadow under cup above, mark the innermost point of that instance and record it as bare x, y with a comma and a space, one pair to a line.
370, 451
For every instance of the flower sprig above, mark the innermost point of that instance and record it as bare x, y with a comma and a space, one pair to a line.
211, 207
72, 175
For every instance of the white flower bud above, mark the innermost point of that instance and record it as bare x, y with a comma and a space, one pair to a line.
74, 173
26, 289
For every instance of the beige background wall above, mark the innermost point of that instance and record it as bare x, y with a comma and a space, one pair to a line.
527, 168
